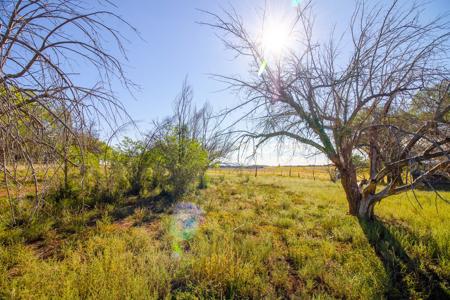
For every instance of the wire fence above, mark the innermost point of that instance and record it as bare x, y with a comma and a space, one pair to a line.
303, 172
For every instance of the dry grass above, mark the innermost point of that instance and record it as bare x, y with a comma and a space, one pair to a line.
303, 172
266, 237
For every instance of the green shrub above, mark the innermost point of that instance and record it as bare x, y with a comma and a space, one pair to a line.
177, 161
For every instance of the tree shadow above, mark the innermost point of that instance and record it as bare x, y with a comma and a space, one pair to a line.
408, 279
156, 205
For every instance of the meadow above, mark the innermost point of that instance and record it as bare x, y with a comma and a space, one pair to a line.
303, 172
105, 197
243, 237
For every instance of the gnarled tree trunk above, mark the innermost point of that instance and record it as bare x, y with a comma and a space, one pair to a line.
351, 188
365, 207
360, 203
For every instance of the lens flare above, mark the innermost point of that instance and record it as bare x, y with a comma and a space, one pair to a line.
275, 39
296, 2
185, 221
262, 68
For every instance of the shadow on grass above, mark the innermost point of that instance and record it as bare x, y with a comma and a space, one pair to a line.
155, 205
408, 280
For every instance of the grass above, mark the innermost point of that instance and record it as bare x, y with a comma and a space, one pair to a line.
303, 172
266, 237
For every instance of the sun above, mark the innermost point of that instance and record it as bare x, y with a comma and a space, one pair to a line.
276, 39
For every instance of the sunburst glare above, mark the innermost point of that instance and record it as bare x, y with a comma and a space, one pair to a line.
276, 39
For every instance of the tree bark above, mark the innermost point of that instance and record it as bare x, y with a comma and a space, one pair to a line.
365, 207
360, 204
350, 185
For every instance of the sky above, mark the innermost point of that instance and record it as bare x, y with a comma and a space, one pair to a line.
173, 45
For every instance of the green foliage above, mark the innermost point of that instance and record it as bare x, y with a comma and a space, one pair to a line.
425, 103
122, 171
359, 161
135, 160
177, 162
170, 165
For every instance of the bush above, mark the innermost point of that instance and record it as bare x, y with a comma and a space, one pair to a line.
177, 161
134, 159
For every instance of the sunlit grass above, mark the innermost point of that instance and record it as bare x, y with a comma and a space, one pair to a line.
303, 172
265, 237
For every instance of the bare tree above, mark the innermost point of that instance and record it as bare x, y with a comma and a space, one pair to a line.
200, 124
339, 99
43, 102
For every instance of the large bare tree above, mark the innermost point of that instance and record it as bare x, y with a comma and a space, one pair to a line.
57, 61
351, 92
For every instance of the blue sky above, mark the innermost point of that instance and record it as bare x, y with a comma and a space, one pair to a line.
174, 45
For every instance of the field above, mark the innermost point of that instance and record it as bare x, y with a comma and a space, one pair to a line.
243, 237
303, 172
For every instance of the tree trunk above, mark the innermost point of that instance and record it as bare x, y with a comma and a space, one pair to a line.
66, 176
360, 205
66, 137
350, 185
366, 206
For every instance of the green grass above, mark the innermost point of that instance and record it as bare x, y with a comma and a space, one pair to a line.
267, 237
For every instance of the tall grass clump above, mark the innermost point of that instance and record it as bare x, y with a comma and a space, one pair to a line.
107, 265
